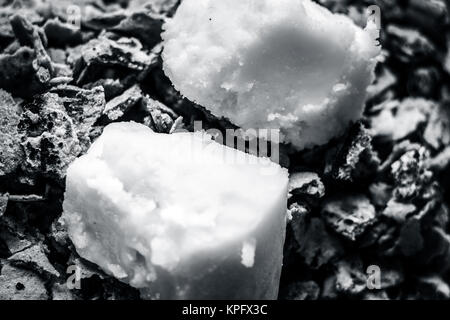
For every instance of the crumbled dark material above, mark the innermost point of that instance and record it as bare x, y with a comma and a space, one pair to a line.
161, 118
423, 82
437, 132
308, 290
398, 120
32, 36
409, 45
354, 159
434, 287
399, 211
118, 106
3, 203
380, 87
21, 284
35, 257
375, 197
410, 174
10, 152
99, 54
410, 239
349, 216
17, 74
83, 107
59, 33
146, 26
306, 183
56, 126
386, 180
350, 277
13, 238
316, 246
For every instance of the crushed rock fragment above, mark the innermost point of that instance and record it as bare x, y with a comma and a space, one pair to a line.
19, 284
56, 128
355, 158
316, 245
120, 105
397, 120
161, 118
10, 151
306, 183
350, 277
3, 203
410, 173
303, 290
100, 53
349, 215
35, 257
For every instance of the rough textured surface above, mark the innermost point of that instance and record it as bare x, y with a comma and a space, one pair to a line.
349, 216
118, 106
102, 52
56, 127
354, 159
10, 156
173, 229
36, 257
308, 290
316, 246
398, 120
272, 64
19, 284
3, 203
307, 183
408, 102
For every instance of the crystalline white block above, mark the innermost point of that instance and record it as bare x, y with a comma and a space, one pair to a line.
178, 216
289, 65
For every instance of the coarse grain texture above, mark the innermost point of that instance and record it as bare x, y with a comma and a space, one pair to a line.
272, 64
10, 152
397, 156
188, 217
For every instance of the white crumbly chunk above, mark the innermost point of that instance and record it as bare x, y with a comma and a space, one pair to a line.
283, 64
168, 214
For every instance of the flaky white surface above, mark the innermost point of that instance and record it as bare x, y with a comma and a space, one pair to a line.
140, 200
271, 64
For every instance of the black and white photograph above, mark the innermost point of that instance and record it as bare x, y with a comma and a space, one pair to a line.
244, 152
